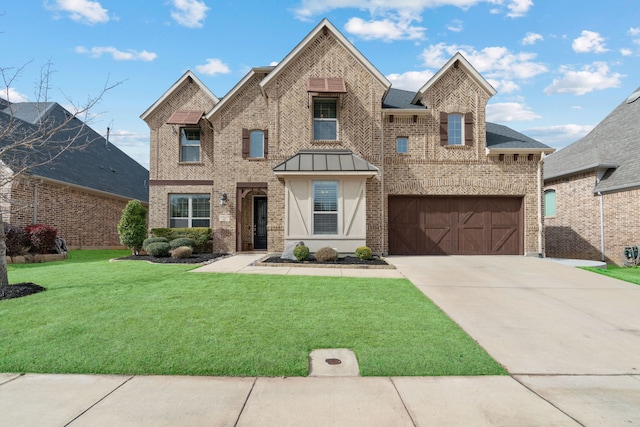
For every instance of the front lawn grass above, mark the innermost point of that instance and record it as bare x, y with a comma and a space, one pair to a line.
628, 274
131, 317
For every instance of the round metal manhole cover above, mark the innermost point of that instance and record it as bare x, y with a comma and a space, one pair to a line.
333, 361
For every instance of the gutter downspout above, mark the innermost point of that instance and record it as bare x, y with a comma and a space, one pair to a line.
540, 223
601, 226
382, 215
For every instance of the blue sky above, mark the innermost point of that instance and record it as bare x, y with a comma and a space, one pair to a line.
559, 66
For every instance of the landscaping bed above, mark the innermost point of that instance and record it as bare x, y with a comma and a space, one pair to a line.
19, 290
193, 259
343, 261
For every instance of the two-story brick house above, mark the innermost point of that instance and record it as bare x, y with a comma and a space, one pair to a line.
321, 149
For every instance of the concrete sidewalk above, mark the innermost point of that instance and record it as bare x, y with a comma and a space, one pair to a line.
570, 340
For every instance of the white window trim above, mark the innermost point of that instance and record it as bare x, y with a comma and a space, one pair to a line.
190, 218
336, 119
337, 211
449, 133
199, 145
251, 154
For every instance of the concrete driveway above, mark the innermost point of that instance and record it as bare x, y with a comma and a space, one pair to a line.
569, 335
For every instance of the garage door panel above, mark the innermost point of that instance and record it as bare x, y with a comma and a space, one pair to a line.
455, 225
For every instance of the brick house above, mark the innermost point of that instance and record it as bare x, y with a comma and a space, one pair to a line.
592, 189
321, 149
82, 192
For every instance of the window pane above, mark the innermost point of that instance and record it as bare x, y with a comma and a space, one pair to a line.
200, 223
550, 203
179, 223
179, 206
402, 145
324, 223
190, 154
325, 109
325, 129
455, 129
200, 206
257, 144
325, 196
190, 145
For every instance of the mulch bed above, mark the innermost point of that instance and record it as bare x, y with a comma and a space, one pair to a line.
347, 260
193, 259
19, 290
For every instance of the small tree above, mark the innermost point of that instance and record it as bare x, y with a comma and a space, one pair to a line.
132, 227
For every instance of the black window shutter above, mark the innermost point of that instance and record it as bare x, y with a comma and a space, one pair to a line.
468, 129
246, 143
266, 143
444, 124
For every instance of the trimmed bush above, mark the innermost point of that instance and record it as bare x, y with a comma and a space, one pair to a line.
301, 252
326, 254
16, 239
42, 237
158, 249
201, 235
182, 241
181, 252
364, 252
132, 227
153, 240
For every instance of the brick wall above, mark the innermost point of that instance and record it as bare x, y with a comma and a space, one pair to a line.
84, 219
575, 230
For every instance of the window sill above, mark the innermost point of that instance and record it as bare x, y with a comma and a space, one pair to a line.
256, 159
326, 141
191, 163
458, 147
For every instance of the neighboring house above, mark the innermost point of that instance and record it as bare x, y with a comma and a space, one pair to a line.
321, 149
592, 190
82, 192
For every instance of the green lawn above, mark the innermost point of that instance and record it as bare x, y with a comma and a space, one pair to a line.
132, 317
628, 274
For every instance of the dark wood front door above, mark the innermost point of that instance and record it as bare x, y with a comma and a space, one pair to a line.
260, 223
420, 225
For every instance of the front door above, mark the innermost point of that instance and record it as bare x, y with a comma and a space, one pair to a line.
260, 223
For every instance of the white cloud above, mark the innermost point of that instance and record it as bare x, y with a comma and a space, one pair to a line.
634, 31
596, 76
531, 38
498, 65
456, 26
11, 94
116, 54
509, 112
189, 13
136, 145
387, 29
558, 136
84, 11
212, 67
518, 8
589, 41
411, 80
626, 52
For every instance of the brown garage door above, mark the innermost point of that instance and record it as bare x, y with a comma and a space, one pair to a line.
420, 225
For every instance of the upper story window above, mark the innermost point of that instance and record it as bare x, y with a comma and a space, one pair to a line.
255, 143
325, 207
190, 144
325, 119
550, 203
189, 210
456, 129
402, 145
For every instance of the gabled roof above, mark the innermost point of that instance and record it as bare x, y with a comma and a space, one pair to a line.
502, 139
325, 161
186, 77
398, 99
98, 166
456, 60
613, 145
325, 25
237, 88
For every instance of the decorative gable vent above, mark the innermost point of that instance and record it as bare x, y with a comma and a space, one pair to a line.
326, 85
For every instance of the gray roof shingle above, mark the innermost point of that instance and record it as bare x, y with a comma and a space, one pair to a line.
613, 145
499, 136
401, 99
99, 165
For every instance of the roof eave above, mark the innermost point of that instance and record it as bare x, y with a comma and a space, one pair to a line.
528, 150
367, 174
231, 93
588, 168
406, 111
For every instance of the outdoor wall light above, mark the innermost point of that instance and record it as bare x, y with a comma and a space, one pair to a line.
223, 199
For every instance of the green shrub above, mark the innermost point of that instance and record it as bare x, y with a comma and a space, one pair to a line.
364, 252
181, 252
301, 252
201, 235
153, 240
132, 227
158, 249
182, 241
326, 254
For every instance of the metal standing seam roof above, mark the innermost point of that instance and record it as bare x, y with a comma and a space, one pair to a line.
325, 161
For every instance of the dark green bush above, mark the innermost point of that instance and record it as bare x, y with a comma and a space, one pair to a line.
301, 252
201, 235
181, 252
153, 240
132, 227
326, 254
182, 241
158, 249
364, 252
